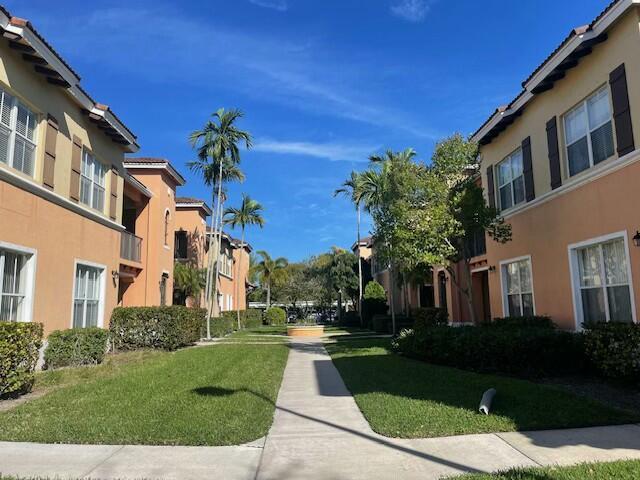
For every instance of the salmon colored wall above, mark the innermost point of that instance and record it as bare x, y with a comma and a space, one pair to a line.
598, 208
235, 286
193, 221
156, 256
60, 237
19, 78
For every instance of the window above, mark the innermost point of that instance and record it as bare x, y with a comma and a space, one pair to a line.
180, 248
17, 134
603, 289
226, 263
15, 285
588, 132
166, 227
87, 296
92, 177
511, 180
517, 288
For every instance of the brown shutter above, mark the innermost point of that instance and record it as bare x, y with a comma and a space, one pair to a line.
554, 153
113, 201
51, 137
76, 155
527, 164
491, 191
621, 110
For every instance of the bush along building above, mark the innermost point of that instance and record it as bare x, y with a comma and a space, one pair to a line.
561, 163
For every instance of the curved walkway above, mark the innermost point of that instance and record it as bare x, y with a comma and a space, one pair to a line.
319, 433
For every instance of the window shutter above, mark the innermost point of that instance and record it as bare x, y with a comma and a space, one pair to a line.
527, 168
51, 137
491, 191
554, 153
76, 156
113, 200
621, 110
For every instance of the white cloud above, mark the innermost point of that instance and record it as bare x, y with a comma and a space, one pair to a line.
411, 10
279, 5
329, 151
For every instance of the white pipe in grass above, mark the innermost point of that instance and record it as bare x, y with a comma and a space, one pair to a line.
487, 399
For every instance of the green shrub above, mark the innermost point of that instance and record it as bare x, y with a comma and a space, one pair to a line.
223, 326
19, 345
75, 347
350, 319
534, 321
374, 291
251, 318
523, 351
613, 349
167, 328
275, 316
384, 323
429, 317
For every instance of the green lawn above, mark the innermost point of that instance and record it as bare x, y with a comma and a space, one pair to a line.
407, 398
623, 470
215, 395
265, 330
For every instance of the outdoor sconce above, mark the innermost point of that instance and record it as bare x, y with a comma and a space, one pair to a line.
492, 268
636, 239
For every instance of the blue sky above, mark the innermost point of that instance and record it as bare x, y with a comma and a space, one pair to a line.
323, 84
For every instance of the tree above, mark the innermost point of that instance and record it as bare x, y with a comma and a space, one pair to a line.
188, 280
270, 270
217, 144
249, 213
352, 189
387, 193
336, 272
447, 207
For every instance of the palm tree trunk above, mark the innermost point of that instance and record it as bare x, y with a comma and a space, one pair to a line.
238, 279
268, 294
207, 290
392, 295
216, 254
359, 273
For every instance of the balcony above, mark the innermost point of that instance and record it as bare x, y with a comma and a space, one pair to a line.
130, 247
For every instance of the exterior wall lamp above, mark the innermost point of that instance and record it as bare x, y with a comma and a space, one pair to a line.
636, 239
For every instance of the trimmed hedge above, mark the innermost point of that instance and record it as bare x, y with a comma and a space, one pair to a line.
167, 328
222, 326
521, 351
429, 317
350, 319
75, 347
275, 316
251, 318
19, 345
534, 321
613, 349
384, 323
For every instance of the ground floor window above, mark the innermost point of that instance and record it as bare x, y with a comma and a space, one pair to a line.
517, 288
87, 296
602, 285
163, 288
15, 285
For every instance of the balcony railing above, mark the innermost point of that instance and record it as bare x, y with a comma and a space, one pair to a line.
130, 247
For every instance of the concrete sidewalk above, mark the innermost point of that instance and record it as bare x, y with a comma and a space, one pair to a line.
319, 433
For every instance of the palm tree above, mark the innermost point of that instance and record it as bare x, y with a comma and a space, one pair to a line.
268, 270
249, 213
187, 279
217, 144
352, 189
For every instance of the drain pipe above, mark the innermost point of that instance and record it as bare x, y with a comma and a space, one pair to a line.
487, 399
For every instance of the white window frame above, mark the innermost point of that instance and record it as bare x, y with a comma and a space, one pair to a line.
13, 132
509, 158
503, 283
101, 289
26, 313
93, 184
584, 104
572, 249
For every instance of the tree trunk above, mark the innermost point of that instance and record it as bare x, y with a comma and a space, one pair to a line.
207, 291
268, 294
359, 274
238, 279
392, 282
405, 290
213, 304
339, 306
469, 291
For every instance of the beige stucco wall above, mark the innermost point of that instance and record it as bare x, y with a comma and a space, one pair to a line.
20, 79
193, 221
236, 284
594, 206
60, 237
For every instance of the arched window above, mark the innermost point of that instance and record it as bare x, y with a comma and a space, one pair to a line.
166, 227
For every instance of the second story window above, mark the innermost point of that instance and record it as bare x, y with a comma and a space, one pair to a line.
166, 227
92, 180
511, 180
589, 132
226, 263
17, 134
180, 245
